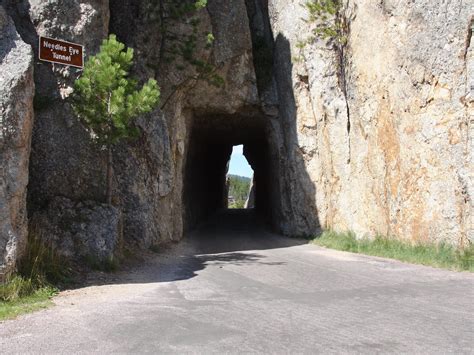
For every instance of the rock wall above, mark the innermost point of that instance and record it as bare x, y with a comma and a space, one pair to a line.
61, 149
152, 173
16, 122
385, 148
148, 178
81, 231
394, 154
63, 162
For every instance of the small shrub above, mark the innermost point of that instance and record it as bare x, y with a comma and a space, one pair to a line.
40, 269
328, 20
108, 101
42, 264
16, 288
181, 37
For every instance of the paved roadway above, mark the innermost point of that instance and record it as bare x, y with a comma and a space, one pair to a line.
233, 288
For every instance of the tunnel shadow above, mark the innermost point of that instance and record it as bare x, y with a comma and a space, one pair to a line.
298, 191
229, 238
232, 230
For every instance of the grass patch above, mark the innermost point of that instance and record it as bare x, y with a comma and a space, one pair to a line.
441, 256
39, 299
40, 270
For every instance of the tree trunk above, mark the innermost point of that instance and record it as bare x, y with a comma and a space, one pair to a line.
108, 197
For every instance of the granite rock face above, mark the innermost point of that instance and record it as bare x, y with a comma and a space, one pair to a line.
394, 154
383, 146
80, 231
148, 172
62, 152
151, 170
412, 121
16, 122
63, 161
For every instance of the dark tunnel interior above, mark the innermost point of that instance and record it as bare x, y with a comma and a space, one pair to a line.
210, 149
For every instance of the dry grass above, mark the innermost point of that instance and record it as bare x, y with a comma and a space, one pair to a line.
34, 284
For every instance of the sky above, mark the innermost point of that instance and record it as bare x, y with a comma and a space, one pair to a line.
238, 164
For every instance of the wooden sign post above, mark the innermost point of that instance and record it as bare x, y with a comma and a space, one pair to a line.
61, 52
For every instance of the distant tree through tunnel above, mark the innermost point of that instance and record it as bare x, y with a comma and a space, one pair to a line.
211, 143
239, 179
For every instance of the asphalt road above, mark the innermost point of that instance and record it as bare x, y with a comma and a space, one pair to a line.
233, 288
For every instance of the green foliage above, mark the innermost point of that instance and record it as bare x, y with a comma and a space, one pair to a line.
181, 37
35, 301
328, 20
42, 264
39, 270
200, 4
107, 100
240, 204
210, 39
443, 256
239, 187
206, 71
330, 24
15, 288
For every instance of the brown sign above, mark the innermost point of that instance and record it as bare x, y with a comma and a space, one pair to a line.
61, 52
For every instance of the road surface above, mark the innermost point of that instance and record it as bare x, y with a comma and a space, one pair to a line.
233, 288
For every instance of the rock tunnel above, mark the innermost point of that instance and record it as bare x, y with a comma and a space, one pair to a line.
210, 147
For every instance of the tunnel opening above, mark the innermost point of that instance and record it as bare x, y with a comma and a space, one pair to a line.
240, 187
210, 147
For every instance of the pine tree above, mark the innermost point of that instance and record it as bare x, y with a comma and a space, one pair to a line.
107, 100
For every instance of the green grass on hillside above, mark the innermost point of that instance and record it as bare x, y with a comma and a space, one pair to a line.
441, 256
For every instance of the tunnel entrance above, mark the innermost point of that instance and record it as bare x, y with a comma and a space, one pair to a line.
211, 142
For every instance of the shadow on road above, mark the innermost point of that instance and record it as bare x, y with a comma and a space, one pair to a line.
237, 230
230, 237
